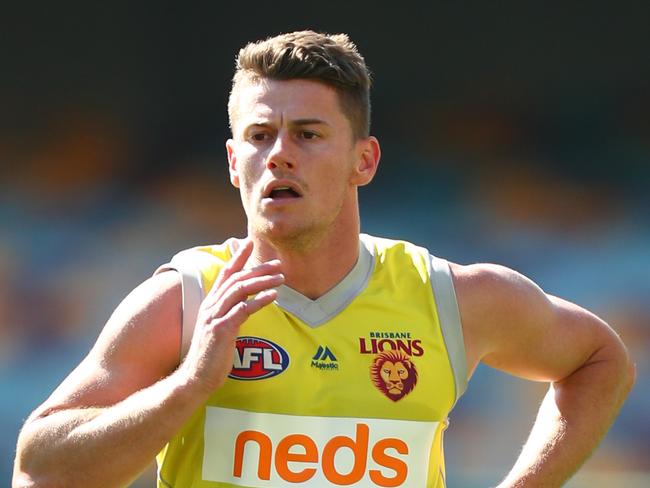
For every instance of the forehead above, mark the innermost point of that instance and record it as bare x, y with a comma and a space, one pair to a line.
280, 100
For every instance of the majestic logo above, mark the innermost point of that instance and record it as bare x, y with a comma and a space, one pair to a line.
324, 359
394, 374
390, 341
257, 358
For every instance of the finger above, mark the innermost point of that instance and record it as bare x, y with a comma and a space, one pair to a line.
238, 314
261, 300
242, 290
269, 268
234, 264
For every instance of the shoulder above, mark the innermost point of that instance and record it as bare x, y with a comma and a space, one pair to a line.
385, 243
143, 335
400, 260
495, 303
385, 248
201, 264
492, 288
203, 256
150, 313
486, 284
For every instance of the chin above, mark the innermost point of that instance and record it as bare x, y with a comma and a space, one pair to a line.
288, 235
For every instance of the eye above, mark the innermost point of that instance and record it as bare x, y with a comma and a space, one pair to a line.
259, 136
308, 134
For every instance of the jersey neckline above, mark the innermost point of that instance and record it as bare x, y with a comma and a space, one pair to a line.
316, 312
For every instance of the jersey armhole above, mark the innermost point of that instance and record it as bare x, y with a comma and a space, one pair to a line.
192, 293
444, 295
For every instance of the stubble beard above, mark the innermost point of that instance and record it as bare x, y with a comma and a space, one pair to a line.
291, 236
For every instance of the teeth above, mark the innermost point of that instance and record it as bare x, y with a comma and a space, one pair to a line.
281, 188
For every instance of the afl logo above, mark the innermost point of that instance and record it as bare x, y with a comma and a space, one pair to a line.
257, 358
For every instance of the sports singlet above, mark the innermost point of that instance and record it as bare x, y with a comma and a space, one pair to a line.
352, 389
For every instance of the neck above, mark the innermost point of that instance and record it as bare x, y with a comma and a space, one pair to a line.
315, 269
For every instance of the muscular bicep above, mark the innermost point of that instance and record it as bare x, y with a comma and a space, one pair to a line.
549, 341
139, 345
512, 325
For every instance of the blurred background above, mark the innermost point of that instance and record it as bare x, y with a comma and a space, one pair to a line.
512, 132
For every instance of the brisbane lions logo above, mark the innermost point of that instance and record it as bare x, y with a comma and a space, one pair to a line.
393, 373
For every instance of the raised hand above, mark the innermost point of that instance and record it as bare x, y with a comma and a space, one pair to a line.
236, 294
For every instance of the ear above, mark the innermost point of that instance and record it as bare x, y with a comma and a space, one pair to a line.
368, 155
232, 163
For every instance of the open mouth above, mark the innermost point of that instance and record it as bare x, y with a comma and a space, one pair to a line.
281, 192
278, 190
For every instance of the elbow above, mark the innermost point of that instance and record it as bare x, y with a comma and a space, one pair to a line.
629, 369
22, 479
29, 469
22, 476
630, 375
625, 368
26, 478
617, 367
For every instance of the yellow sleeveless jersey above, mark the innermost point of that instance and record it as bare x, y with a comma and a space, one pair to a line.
352, 389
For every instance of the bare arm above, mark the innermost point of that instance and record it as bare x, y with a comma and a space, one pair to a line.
512, 325
107, 420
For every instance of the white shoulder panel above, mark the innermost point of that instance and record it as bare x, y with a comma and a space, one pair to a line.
452, 330
188, 264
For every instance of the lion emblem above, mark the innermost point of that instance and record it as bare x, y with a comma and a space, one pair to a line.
394, 374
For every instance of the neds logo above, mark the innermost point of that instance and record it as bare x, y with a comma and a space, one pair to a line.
257, 358
266, 450
296, 458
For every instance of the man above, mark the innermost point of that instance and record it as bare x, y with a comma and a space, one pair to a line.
309, 354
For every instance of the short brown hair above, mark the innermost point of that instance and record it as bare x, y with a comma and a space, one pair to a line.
332, 59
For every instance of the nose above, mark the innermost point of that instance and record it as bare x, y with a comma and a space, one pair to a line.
280, 156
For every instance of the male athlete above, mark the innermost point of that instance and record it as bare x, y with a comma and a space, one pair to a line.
308, 354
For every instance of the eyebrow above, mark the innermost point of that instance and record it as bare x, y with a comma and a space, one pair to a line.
308, 122
296, 122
